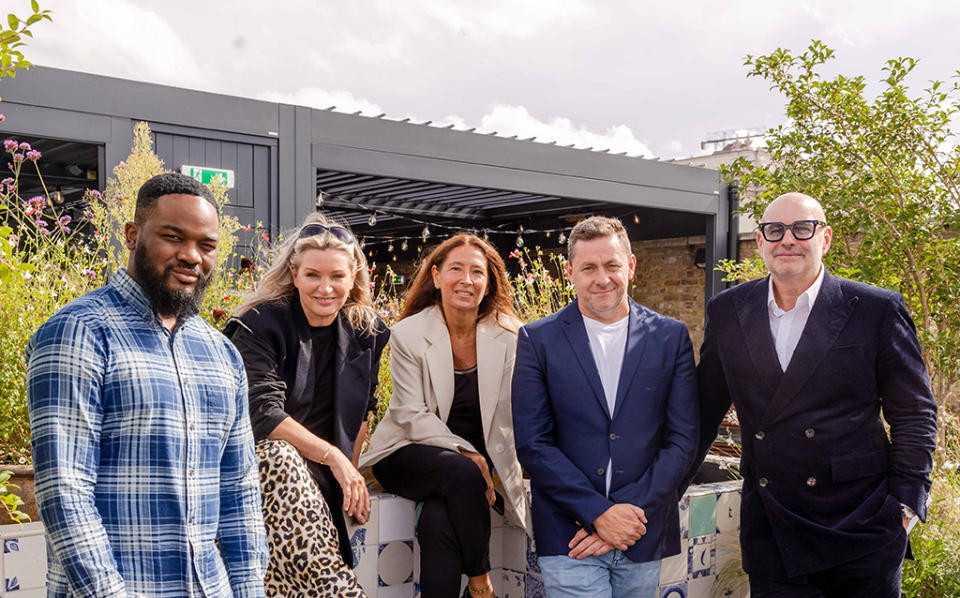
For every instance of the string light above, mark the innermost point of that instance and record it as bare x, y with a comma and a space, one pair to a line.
563, 238
403, 246
426, 232
390, 247
636, 219
373, 220
519, 240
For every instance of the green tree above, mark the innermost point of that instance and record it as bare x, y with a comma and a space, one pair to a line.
12, 40
887, 170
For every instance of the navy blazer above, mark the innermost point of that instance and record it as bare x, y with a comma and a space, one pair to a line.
565, 434
822, 483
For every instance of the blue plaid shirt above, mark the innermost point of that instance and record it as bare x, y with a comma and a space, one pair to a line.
146, 480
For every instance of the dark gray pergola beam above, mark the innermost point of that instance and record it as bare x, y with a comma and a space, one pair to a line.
417, 212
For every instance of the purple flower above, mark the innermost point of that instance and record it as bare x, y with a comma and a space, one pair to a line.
2, 118
10, 145
65, 229
37, 201
25, 146
89, 273
41, 223
119, 167
7, 181
44, 232
95, 193
64, 220
12, 239
33, 155
88, 215
17, 158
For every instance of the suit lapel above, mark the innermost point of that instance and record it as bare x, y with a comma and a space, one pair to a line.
752, 312
440, 362
633, 352
306, 376
827, 319
576, 335
491, 351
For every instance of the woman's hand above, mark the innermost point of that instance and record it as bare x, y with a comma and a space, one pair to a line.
480, 462
356, 499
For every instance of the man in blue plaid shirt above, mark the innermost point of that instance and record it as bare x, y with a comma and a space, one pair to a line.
146, 479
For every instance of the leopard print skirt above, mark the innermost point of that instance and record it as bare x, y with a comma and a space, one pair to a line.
305, 558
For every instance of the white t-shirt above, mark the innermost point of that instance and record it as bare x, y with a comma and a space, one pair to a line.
608, 343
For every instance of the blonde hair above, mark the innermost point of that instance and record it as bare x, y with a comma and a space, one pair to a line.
277, 283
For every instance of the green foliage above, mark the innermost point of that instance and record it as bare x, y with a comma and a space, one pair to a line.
886, 170
9, 499
12, 39
935, 568
46, 262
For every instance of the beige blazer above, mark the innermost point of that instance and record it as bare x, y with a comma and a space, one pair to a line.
421, 368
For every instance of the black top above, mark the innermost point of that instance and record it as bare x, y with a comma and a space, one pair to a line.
464, 419
318, 415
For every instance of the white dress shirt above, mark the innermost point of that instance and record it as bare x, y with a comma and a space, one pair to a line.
787, 326
608, 343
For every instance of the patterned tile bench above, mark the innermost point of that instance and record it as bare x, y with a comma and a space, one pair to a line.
388, 555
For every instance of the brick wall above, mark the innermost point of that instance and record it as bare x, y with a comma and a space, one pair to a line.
667, 281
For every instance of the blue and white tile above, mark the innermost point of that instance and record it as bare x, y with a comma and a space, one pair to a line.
366, 558
533, 586
701, 587
673, 569
701, 556
676, 590
369, 532
397, 519
684, 507
513, 584
405, 590
728, 512
395, 564
24, 563
514, 549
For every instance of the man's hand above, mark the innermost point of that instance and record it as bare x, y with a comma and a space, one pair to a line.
583, 545
481, 462
621, 525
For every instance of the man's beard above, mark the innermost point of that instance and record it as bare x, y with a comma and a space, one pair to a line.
167, 301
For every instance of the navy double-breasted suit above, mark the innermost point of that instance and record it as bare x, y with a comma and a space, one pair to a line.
566, 434
822, 481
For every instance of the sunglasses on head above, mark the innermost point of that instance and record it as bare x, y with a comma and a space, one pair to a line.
312, 230
802, 230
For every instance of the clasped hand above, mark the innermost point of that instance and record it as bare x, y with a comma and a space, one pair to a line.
618, 527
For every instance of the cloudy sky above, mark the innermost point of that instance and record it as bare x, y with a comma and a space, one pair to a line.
651, 78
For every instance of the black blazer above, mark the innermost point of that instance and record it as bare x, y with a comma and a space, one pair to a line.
277, 348
822, 482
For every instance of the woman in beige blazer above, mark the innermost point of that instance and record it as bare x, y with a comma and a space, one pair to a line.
447, 437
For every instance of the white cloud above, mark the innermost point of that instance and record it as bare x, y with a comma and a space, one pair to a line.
115, 38
316, 97
517, 120
512, 18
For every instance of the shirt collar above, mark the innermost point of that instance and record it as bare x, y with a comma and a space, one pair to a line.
133, 294
806, 298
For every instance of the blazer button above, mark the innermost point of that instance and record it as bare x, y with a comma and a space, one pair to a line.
499, 448
613, 436
763, 482
811, 482
809, 432
759, 435
601, 471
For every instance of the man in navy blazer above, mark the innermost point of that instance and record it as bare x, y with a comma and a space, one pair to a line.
605, 421
810, 360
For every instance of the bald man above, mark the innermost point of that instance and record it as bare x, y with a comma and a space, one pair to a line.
810, 361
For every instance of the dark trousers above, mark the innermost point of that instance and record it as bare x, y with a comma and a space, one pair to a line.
876, 575
454, 525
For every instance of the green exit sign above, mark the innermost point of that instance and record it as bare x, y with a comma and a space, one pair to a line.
208, 175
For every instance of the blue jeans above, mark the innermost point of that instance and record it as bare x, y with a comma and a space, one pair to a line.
610, 575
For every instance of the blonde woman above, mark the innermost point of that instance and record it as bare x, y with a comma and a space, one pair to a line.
311, 345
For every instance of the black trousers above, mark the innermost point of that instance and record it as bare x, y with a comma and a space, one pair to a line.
876, 575
454, 524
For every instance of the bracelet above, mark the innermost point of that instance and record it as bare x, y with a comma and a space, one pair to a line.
479, 592
326, 453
